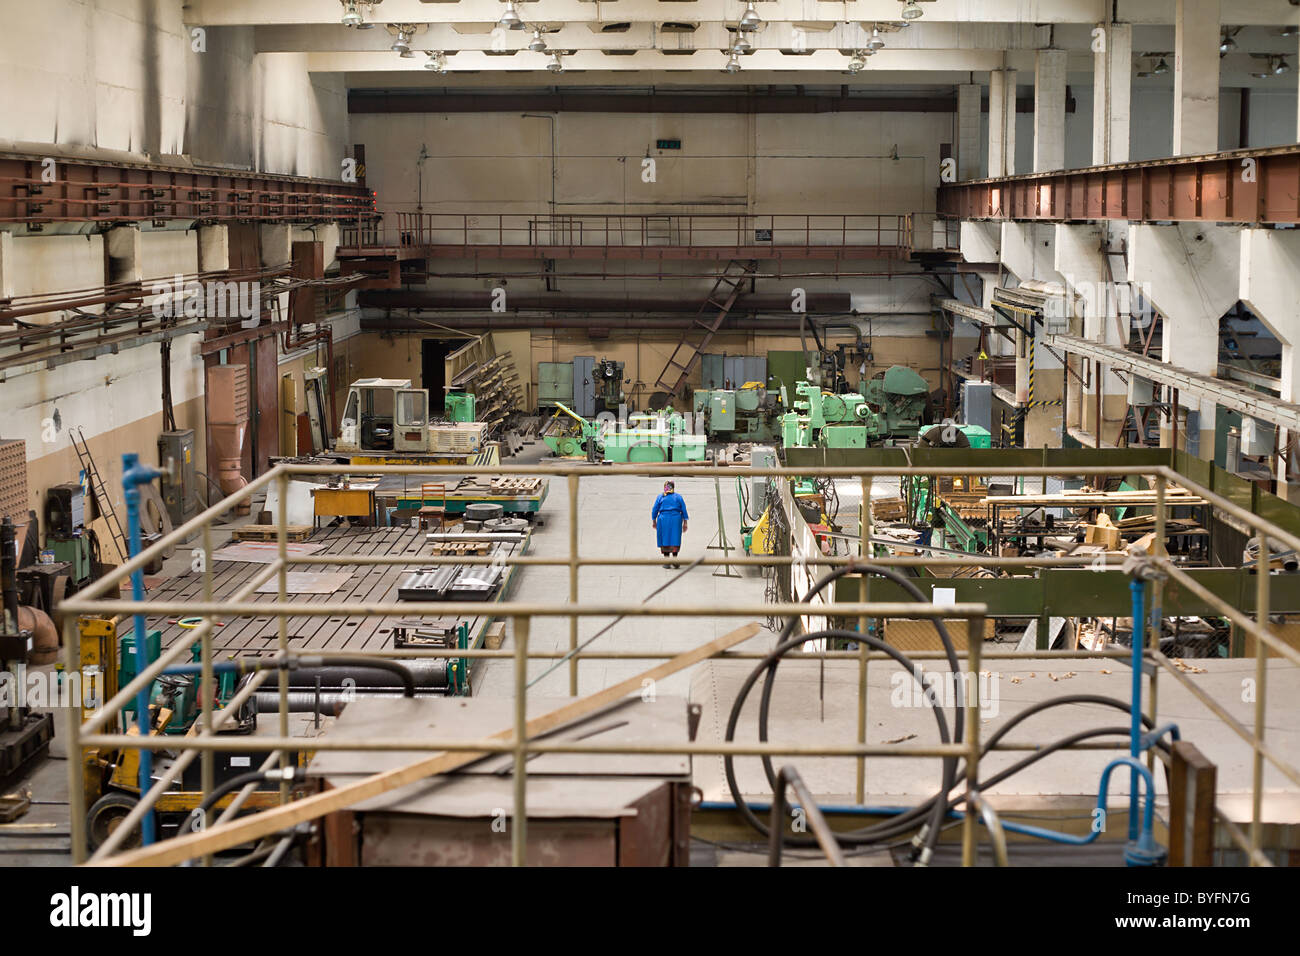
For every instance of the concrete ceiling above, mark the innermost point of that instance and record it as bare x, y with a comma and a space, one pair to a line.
641, 42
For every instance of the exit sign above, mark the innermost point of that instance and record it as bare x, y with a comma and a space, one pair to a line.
668, 144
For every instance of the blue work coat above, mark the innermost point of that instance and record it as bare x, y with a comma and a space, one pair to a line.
668, 514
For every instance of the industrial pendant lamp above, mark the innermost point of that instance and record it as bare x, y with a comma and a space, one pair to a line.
510, 20
750, 20
733, 62
352, 14
555, 66
402, 44
537, 44
911, 11
876, 41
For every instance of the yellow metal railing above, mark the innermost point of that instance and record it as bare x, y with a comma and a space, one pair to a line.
227, 832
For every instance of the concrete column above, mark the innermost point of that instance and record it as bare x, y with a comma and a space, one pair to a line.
969, 109
125, 255
1028, 250
276, 244
1081, 261
1190, 274
1028, 253
7, 269
214, 248
1049, 110
1270, 288
1112, 82
981, 241
1002, 123
1196, 77
276, 250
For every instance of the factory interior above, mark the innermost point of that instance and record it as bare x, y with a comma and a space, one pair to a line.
653, 433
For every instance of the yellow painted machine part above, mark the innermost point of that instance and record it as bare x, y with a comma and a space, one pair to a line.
759, 536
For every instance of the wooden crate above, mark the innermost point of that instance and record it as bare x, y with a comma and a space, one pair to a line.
14, 502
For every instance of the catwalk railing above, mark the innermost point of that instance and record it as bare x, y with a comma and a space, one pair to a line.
868, 234
450, 754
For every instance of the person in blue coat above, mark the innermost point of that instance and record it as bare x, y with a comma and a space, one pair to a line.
668, 517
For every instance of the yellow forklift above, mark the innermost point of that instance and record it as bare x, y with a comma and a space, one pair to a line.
112, 778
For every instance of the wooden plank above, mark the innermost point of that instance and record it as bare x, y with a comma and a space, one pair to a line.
187, 847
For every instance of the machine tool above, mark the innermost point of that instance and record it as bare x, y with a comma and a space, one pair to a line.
385, 420
747, 414
24, 733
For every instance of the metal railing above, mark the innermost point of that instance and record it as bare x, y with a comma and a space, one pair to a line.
518, 740
883, 234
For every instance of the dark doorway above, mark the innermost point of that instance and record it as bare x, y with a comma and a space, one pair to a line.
433, 373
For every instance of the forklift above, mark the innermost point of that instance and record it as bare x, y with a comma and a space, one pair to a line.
111, 779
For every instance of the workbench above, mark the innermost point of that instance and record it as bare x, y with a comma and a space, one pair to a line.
355, 501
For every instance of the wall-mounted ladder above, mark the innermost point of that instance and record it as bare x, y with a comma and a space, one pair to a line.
704, 325
103, 503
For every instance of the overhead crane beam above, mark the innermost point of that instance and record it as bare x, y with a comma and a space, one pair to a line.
1238, 398
1243, 186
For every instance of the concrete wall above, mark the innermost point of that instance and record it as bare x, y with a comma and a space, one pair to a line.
130, 76
501, 162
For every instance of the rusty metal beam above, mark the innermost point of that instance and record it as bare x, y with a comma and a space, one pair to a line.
1252, 186
39, 190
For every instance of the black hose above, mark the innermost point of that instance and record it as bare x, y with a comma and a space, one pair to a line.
768, 666
935, 808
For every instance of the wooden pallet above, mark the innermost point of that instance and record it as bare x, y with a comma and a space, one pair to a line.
270, 532
461, 547
514, 486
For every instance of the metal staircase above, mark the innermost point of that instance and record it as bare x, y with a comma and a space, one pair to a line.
704, 325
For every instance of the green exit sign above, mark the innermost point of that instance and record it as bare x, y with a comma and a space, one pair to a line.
668, 144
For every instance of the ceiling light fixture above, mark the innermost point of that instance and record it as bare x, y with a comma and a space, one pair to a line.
437, 62
352, 14
510, 20
859, 61
402, 44
555, 66
876, 41
741, 45
537, 44
750, 20
1161, 67
733, 63
911, 11
1281, 66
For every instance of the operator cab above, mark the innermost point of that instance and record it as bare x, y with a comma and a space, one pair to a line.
384, 414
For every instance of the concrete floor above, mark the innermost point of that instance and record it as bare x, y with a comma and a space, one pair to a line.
614, 521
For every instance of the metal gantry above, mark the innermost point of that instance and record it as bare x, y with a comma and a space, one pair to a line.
518, 740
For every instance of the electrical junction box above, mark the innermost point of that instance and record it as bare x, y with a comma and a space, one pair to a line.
722, 411
179, 483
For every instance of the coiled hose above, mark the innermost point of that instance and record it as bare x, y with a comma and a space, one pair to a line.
938, 805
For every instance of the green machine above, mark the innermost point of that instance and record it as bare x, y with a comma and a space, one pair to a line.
901, 397
648, 437
176, 693
65, 531
750, 413
652, 437
459, 406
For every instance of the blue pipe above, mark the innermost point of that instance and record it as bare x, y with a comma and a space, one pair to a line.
134, 475
1137, 589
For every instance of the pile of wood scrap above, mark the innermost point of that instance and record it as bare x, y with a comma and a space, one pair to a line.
888, 509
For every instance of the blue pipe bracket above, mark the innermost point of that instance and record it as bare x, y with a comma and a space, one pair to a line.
134, 475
